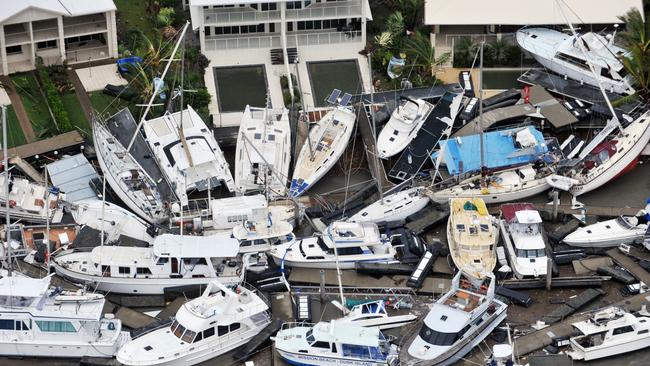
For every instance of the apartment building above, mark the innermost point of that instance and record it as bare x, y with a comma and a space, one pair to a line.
55, 30
279, 37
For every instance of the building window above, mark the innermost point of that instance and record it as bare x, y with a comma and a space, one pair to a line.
269, 7
12, 50
289, 27
52, 326
271, 27
254, 6
207, 31
46, 44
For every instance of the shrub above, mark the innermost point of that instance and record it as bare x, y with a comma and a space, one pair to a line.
201, 99
53, 98
165, 17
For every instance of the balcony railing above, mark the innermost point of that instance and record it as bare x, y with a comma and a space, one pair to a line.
45, 34
237, 16
85, 28
12, 39
324, 11
274, 41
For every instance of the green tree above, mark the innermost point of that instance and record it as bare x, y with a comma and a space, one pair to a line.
497, 51
636, 39
422, 58
411, 11
464, 52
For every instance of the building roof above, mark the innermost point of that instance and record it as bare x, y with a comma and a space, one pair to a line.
72, 176
61, 7
525, 12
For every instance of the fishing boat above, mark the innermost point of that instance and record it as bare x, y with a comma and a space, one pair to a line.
459, 321
393, 207
327, 141
262, 236
263, 152
472, 235
334, 343
42, 321
218, 321
563, 54
523, 237
609, 233
172, 261
374, 314
609, 332
342, 243
187, 152
403, 126
27, 200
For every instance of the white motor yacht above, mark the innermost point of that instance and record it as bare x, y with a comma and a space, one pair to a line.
523, 237
472, 235
187, 152
262, 236
263, 152
218, 321
42, 321
334, 343
172, 261
393, 207
610, 233
403, 126
561, 53
327, 141
609, 332
354, 242
374, 314
27, 200
456, 323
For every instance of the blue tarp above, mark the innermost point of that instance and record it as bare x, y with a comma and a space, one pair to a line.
463, 154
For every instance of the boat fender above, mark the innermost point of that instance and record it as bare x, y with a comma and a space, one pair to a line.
12, 203
111, 326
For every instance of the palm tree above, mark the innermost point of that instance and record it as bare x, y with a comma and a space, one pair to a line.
422, 56
410, 9
464, 52
636, 38
498, 51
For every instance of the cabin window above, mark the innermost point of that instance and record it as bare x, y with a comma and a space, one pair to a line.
642, 331
208, 332
188, 336
350, 251
106, 271
321, 344
604, 72
438, 338
199, 337
6, 324
124, 270
53, 326
222, 330
178, 332
142, 271
460, 228
355, 351
484, 228
162, 260
334, 350
21, 325
309, 336
234, 326
623, 330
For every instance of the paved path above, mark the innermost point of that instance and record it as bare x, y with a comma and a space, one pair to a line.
17, 103
82, 96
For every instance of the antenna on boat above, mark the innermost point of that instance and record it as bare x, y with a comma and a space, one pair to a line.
47, 218
157, 87
6, 164
374, 129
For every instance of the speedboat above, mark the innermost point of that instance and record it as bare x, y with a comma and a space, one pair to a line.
610, 332
343, 242
403, 126
561, 53
456, 323
172, 261
524, 239
374, 314
610, 233
394, 207
27, 200
262, 236
187, 152
472, 235
218, 321
327, 141
43, 321
263, 152
334, 343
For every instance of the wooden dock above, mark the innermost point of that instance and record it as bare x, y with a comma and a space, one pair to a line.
63, 141
629, 264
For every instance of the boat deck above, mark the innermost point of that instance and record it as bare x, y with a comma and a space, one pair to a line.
122, 126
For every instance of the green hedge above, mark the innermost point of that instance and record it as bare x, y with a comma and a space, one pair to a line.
54, 99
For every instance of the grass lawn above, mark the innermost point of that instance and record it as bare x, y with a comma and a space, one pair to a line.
15, 136
76, 114
106, 104
133, 14
34, 103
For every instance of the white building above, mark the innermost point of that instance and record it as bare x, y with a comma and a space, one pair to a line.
265, 32
494, 19
55, 30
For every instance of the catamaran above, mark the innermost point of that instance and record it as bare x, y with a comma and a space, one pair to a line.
218, 321
403, 126
172, 261
327, 141
42, 321
472, 235
263, 152
456, 323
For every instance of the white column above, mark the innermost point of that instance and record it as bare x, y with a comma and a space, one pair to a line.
61, 40
363, 20
31, 43
202, 29
112, 34
3, 52
283, 37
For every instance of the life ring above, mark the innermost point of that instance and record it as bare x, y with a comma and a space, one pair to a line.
12, 203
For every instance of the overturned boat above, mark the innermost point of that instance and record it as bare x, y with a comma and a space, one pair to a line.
403, 126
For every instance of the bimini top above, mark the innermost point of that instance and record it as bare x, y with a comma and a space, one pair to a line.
346, 333
503, 148
188, 246
24, 286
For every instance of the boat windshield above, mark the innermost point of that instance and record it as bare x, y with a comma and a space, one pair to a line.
531, 253
362, 352
439, 338
309, 336
623, 221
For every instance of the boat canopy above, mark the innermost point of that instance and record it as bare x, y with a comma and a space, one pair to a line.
528, 217
186, 246
24, 286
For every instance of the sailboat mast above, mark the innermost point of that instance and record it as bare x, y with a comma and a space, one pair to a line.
6, 162
47, 218
181, 131
480, 107
304, 111
157, 87
374, 129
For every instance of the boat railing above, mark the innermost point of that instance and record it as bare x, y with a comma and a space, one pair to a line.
291, 325
199, 207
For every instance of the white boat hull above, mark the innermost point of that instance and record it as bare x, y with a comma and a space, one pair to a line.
537, 187
394, 207
140, 286
329, 263
594, 353
60, 349
303, 359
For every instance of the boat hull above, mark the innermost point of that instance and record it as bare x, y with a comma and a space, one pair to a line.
60, 349
501, 197
594, 353
396, 207
301, 359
